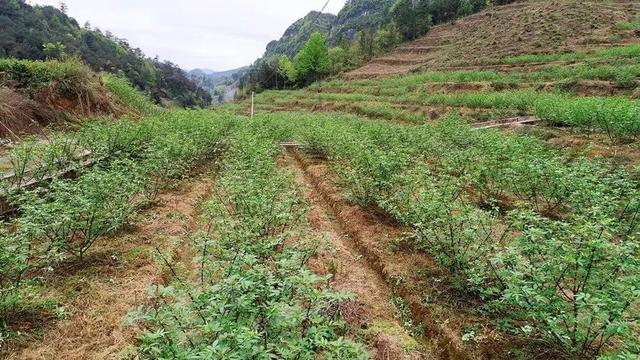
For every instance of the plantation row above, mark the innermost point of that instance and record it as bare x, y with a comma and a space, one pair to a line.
619, 117
61, 219
624, 75
550, 242
631, 51
251, 295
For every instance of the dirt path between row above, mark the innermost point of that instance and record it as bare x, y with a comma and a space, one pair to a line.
372, 316
115, 278
402, 273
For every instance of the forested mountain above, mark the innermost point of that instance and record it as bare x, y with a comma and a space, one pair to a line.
358, 15
216, 76
44, 32
299, 33
362, 30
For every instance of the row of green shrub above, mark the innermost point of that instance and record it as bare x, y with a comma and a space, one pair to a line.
622, 74
618, 116
60, 219
631, 51
251, 295
549, 241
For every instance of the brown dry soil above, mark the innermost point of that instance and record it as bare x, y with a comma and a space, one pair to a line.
367, 244
372, 316
427, 113
113, 281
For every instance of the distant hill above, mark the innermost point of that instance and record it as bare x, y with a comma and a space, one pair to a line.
44, 32
525, 27
215, 75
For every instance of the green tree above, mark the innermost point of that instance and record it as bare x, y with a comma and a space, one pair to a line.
386, 38
287, 69
312, 62
465, 8
54, 51
338, 58
365, 41
411, 18
218, 93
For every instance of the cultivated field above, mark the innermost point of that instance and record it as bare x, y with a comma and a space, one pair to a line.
486, 207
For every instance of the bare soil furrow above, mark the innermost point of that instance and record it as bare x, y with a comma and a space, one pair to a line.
373, 237
372, 315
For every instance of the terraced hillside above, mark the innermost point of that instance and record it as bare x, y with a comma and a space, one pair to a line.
531, 27
598, 91
589, 79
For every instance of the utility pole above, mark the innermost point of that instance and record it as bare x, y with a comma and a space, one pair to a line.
253, 94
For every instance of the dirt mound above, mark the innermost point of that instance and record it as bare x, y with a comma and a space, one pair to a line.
20, 114
37, 95
531, 27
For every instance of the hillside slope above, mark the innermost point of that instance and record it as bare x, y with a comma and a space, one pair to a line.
43, 32
534, 27
359, 15
37, 94
299, 33
356, 15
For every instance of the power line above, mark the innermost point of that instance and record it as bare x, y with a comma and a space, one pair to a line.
312, 23
321, 11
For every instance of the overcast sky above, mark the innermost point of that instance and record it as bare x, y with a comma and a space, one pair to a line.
215, 34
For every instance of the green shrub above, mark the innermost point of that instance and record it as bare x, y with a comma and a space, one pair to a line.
38, 74
628, 25
573, 281
618, 117
69, 217
34, 160
563, 265
447, 225
69, 78
501, 85
15, 260
128, 96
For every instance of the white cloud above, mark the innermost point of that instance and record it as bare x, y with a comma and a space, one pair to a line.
219, 34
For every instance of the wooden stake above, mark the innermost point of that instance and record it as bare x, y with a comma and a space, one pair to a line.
253, 93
